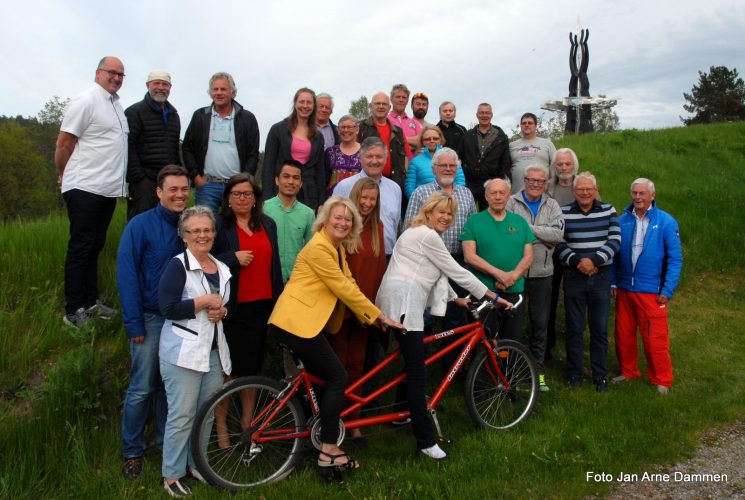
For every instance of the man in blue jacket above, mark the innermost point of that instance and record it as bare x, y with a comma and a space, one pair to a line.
148, 243
646, 272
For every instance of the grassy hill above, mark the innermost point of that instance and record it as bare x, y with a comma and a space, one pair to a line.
61, 391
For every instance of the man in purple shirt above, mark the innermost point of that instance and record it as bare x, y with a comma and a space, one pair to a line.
324, 108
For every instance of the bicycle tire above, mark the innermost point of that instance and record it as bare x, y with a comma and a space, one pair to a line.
488, 403
245, 464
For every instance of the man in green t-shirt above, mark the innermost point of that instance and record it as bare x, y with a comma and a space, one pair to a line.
497, 245
294, 220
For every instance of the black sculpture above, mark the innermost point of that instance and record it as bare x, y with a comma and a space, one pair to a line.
579, 75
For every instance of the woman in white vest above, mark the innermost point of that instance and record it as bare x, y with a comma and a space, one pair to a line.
193, 353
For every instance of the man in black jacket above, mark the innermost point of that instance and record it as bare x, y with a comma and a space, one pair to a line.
154, 131
222, 140
484, 153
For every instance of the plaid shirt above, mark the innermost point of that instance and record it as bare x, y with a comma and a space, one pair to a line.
466, 208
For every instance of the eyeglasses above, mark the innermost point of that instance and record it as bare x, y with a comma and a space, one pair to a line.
431, 138
348, 127
451, 166
242, 194
537, 182
200, 232
584, 190
112, 73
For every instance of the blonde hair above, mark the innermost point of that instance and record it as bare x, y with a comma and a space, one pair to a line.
430, 204
373, 218
352, 240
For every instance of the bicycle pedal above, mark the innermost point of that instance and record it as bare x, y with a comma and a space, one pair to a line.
444, 440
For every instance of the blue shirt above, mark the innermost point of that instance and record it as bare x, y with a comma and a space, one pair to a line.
222, 154
390, 205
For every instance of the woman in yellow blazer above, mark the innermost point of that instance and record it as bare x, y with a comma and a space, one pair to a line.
315, 298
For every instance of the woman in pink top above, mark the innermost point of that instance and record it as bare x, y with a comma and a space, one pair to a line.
296, 138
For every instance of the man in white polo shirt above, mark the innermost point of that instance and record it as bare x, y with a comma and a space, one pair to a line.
91, 158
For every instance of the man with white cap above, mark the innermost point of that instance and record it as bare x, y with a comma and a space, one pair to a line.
154, 131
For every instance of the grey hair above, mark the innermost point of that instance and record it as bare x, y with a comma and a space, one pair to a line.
195, 211
372, 142
503, 179
538, 168
450, 153
571, 153
222, 75
643, 180
348, 118
401, 87
325, 95
447, 102
585, 175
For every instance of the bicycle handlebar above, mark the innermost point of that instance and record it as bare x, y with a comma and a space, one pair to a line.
480, 306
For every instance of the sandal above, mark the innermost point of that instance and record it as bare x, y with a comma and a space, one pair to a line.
351, 463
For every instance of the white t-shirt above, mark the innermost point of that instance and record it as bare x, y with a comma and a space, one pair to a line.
98, 163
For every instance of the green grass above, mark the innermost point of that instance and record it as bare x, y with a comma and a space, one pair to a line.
61, 392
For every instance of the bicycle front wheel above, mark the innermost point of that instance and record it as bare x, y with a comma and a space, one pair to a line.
490, 402
232, 458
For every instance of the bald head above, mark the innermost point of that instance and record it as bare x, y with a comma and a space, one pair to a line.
380, 105
110, 74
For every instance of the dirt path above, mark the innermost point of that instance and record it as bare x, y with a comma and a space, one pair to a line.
717, 470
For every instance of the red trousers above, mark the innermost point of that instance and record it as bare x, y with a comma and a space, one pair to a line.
641, 310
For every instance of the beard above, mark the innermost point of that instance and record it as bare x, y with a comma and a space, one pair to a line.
446, 181
419, 114
565, 177
158, 97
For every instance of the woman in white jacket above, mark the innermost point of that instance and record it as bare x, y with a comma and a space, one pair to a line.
193, 352
417, 279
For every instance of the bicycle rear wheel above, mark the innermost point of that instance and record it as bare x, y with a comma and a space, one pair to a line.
489, 402
246, 463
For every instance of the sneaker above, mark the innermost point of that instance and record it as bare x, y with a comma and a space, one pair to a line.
102, 310
78, 319
574, 383
542, 383
196, 474
619, 379
663, 390
433, 452
177, 489
601, 385
402, 422
132, 468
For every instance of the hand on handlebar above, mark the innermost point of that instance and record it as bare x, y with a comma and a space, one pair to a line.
384, 323
463, 302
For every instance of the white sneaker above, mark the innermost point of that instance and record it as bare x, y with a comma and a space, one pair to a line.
433, 452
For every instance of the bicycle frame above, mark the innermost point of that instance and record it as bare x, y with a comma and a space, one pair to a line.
471, 336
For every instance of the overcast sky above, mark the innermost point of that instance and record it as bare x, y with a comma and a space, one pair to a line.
512, 54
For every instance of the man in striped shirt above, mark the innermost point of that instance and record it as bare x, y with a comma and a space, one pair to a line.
592, 238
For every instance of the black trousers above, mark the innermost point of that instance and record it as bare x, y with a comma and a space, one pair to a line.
320, 360
414, 387
89, 215
142, 197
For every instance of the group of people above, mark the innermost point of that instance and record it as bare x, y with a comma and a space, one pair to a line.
380, 223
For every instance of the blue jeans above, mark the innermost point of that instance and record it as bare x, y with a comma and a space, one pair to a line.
591, 294
145, 388
210, 195
186, 390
